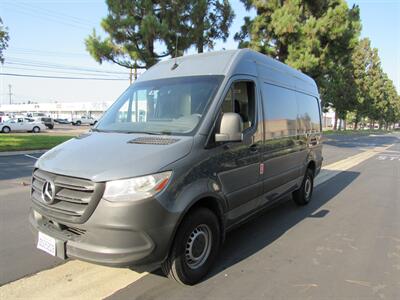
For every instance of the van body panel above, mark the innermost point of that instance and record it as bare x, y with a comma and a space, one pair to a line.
109, 156
234, 179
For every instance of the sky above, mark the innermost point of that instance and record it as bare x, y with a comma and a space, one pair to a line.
45, 34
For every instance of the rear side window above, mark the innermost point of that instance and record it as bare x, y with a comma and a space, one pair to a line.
280, 111
309, 114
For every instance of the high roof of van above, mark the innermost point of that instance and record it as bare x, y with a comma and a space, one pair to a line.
233, 62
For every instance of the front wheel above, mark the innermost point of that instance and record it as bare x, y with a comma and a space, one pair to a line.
303, 195
6, 129
36, 129
195, 247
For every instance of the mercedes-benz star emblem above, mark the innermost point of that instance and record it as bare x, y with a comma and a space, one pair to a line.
48, 192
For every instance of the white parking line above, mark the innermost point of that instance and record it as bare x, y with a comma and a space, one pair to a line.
81, 280
31, 156
336, 168
390, 157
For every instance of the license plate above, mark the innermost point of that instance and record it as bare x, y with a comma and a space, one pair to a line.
46, 243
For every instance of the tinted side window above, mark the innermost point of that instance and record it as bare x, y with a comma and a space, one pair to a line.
280, 111
309, 113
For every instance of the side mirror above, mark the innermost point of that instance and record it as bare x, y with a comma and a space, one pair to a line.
230, 129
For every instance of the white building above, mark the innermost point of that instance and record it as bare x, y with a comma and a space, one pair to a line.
65, 110
328, 119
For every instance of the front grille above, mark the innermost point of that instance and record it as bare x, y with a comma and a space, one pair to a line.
60, 230
75, 231
74, 201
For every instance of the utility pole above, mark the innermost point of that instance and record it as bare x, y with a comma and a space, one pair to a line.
9, 92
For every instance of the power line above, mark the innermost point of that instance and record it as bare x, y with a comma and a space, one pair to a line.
38, 52
36, 63
60, 77
50, 12
52, 71
48, 18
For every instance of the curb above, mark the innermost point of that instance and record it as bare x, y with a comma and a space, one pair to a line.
11, 153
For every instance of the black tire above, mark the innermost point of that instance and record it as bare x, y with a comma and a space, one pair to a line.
78, 123
6, 129
50, 126
36, 129
303, 195
178, 265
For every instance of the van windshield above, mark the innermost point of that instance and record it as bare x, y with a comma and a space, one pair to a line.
164, 106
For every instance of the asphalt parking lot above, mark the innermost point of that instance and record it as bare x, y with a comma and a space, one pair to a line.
67, 129
344, 245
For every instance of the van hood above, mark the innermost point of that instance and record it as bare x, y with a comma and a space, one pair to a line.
102, 156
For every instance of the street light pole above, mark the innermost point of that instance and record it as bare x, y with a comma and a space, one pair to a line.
9, 92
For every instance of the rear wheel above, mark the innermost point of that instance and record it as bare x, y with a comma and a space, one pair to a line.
78, 123
195, 247
6, 129
304, 194
36, 129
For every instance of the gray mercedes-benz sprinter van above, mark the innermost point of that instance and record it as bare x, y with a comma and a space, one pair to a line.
194, 147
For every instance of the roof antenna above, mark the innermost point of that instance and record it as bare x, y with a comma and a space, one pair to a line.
176, 55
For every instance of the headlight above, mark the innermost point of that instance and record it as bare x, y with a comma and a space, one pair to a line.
136, 188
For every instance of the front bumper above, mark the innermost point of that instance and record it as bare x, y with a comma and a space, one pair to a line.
116, 234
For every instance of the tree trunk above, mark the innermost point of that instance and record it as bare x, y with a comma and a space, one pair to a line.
335, 124
344, 124
200, 37
200, 45
340, 125
356, 121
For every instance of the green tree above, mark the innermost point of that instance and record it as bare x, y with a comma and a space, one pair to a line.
316, 37
132, 29
362, 62
209, 21
4, 38
376, 97
140, 33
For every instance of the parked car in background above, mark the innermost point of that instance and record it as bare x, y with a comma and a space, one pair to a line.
35, 114
48, 122
3, 117
62, 121
84, 120
22, 124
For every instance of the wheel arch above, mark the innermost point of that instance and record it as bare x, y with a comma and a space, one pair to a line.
210, 201
312, 166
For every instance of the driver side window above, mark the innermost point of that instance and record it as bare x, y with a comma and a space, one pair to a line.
240, 99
